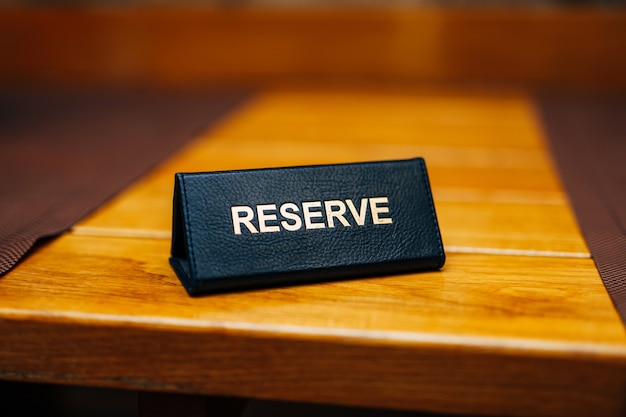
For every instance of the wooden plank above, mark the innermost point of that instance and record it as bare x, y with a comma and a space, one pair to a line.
401, 115
488, 334
450, 167
128, 279
525, 228
501, 179
200, 46
429, 377
492, 334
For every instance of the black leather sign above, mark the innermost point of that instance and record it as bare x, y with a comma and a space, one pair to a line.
268, 227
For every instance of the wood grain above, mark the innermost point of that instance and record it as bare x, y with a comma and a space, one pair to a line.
119, 318
128, 279
543, 47
517, 322
485, 156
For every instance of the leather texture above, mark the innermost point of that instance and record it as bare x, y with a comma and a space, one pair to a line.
388, 225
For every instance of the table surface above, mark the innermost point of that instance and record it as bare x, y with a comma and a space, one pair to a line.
517, 322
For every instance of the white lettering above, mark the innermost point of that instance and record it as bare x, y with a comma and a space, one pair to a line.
316, 215
290, 215
309, 215
377, 210
264, 218
331, 214
359, 216
236, 212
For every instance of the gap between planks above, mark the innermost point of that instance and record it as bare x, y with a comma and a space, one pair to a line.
166, 234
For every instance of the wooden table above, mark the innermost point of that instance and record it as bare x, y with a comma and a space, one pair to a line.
517, 323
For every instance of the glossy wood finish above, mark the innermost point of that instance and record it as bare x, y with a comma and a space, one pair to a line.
517, 323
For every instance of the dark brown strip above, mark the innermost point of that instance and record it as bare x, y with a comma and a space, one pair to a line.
172, 44
588, 140
62, 155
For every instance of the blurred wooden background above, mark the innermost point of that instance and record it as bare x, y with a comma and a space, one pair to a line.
540, 47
